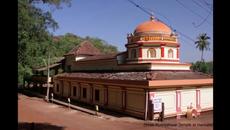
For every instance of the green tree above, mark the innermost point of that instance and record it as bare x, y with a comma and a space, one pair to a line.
202, 43
205, 67
35, 41
102, 45
33, 24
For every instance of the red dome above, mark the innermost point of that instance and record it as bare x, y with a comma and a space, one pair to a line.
152, 26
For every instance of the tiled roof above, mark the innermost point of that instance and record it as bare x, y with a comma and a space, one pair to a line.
45, 68
85, 48
149, 75
99, 57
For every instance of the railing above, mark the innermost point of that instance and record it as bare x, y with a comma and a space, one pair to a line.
132, 39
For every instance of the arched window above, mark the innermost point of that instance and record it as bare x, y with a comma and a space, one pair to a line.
151, 53
133, 53
170, 53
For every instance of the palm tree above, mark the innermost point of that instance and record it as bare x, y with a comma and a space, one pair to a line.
202, 43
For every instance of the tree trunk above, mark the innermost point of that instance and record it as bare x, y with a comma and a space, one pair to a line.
202, 56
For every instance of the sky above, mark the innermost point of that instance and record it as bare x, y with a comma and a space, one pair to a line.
111, 20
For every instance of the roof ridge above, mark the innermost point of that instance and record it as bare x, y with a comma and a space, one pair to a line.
86, 47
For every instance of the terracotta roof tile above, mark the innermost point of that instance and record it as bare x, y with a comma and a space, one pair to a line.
149, 75
85, 48
99, 57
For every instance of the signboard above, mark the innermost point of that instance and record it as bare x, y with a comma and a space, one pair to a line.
49, 79
157, 104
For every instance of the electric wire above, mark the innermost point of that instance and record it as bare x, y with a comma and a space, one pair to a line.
206, 4
191, 10
142, 8
138, 6
196, 26
200, 6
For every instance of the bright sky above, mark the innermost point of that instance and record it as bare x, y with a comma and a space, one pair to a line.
111, 20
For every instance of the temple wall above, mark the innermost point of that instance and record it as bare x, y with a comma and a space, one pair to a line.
177, 101
131, 100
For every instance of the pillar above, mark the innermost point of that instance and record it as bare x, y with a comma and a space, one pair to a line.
150, 105
198, 107
140, 52
146, 103
178, 51
178, 103
123, 98
162, 50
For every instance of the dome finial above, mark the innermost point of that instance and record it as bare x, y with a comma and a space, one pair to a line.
151, 17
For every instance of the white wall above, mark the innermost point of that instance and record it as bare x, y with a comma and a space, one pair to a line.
169, 67
206, 95
188, 96
158, 53
169, 99
166, 52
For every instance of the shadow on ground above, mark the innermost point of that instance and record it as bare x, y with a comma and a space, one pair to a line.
31, 92
38, 126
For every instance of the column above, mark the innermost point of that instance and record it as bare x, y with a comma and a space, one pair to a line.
178, 103
123, 91
162, 50
177, 50
198, 107
150, 105
140, 52
146, 103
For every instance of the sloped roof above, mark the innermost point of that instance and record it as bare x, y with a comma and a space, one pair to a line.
99, 57
56, 61
85, 48
148, 75
45, 68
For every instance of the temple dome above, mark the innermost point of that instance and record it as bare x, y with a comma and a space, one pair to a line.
152, 26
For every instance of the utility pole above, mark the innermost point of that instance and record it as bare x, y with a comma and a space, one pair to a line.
48, 77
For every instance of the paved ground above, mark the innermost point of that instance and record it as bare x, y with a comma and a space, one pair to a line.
36, 114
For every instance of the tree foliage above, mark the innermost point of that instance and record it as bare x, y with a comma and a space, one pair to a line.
205, 67
35, 41
102, 45
65, 43
32, 32
202, 43
56, 3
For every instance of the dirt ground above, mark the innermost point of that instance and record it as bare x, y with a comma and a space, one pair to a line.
36, 114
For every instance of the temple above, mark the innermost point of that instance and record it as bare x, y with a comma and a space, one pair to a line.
128, 81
